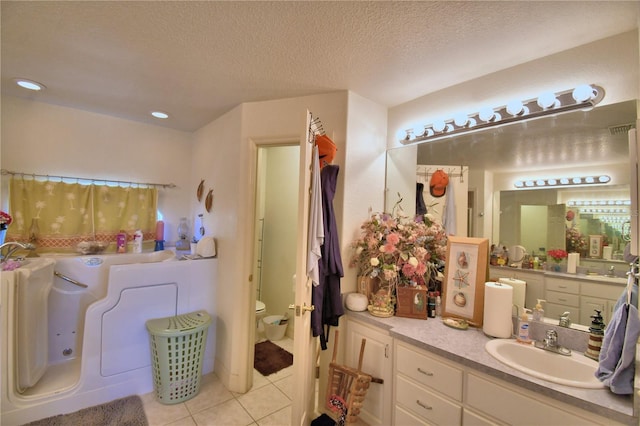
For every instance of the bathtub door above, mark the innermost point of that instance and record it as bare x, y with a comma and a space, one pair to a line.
125, 340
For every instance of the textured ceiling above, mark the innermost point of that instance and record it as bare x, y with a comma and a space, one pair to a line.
197, 60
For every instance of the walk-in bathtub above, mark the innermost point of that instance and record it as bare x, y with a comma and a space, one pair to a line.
73, 329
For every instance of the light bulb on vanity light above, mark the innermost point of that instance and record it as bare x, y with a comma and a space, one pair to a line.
584, 93
516, 108
548, 100
439, 126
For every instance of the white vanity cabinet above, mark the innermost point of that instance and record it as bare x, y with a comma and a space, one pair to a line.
562, 295
602, 297
431, 390
426, 387
378, 362
508, 404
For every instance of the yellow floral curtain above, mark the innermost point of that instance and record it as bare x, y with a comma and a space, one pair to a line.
60, 215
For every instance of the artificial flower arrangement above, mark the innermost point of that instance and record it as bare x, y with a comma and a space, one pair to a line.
557, 255
575, 241
398, 251
5, 220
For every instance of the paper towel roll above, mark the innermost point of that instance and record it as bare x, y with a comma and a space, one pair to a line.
519, 292
572, 262
497, 310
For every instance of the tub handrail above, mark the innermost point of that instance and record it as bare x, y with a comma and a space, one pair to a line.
70, 280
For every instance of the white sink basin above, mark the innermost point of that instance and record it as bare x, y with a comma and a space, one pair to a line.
575, 370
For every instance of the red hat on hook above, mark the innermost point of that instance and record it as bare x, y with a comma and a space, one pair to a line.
326, 149
438, 183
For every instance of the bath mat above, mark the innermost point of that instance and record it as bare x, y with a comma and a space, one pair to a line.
271, 358
127, 411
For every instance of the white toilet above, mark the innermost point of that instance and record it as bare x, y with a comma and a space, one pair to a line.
261, 311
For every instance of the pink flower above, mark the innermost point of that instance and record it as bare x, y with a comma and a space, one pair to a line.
393, 238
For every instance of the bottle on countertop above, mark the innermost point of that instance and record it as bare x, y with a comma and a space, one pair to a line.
121, 242
183, 233
438, 305
523, 327
538, 312
137, 241
431, 305
596, 335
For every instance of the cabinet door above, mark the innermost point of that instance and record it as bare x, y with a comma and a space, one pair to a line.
378, 362
587, 307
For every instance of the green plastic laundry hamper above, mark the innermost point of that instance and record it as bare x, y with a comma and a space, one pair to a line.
177, 349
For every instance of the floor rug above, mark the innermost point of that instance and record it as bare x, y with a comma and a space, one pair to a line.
271, 358
127, 411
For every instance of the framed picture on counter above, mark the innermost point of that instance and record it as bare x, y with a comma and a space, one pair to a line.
595, 246
466, 271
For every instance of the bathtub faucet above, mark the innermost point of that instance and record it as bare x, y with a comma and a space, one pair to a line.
12, 247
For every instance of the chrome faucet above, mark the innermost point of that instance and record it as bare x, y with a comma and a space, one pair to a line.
612, 271
550, 343
12, 247
551, 339
564, 320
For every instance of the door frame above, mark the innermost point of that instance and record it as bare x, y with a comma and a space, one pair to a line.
303, 404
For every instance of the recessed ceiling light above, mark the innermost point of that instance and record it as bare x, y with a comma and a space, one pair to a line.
160, 114
30, 84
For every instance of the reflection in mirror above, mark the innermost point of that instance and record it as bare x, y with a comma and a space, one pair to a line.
581, 142
546, 219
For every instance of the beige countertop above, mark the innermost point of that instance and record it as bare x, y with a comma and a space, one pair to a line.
603, 279
467, 348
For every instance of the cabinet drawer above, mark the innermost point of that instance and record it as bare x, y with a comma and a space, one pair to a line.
429, 371
512, 407
562, 298
426, 404
564, 286
405, 418
470, 418
612, 292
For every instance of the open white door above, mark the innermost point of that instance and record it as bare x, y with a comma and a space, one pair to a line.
302, 409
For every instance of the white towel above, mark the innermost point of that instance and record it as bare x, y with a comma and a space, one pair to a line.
449, 218
316, 221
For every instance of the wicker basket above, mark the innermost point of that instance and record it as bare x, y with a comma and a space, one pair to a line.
347, 385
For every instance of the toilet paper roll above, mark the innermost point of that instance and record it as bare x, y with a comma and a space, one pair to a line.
572, 262
519, 292
497, 310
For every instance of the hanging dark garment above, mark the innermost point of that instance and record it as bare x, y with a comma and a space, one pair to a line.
326, 295
421, 207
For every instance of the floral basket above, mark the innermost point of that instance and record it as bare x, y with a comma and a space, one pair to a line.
395, 252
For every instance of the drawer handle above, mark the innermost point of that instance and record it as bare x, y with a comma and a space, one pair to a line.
423, 405
562, 286
562, 300
426, 373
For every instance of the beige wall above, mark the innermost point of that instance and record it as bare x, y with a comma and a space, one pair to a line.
53, 140
611, 63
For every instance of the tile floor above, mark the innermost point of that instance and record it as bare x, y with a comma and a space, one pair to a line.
267, 403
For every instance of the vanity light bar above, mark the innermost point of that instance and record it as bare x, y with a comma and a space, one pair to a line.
564, 181
573, 203
582, 97
607, 211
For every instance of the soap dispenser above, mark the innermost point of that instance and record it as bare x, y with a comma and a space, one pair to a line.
523, 327
596, 334
538, 312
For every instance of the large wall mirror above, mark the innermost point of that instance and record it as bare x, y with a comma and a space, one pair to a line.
576, 143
